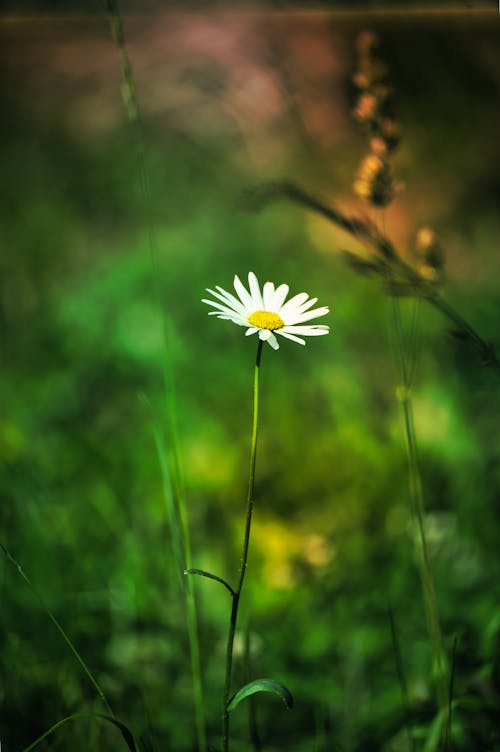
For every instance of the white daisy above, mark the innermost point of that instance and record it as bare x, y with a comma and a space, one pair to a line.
266, 312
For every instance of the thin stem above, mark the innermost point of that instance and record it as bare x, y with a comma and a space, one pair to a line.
447, 739
485, 349
414, 338
244, 556
402, 680
126, 733
417, 509
90, 676
130, 99
388, 264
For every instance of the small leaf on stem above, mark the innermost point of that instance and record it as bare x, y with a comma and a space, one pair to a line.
210, 576
261, 685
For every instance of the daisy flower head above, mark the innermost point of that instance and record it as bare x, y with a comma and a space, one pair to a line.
267, 312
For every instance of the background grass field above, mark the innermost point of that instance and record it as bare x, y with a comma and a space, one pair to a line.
228, 100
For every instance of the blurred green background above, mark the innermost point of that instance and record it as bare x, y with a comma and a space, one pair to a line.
230, 99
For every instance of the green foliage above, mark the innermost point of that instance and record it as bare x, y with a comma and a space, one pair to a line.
82, 491
261, 685
126, 733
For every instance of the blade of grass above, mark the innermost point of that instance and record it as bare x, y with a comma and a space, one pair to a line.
131, 103
86, 670
402, 681
170, 502
126, 733
447, 736
180, 539
417, 509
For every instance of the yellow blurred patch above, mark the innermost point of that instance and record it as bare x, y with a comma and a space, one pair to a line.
282, 546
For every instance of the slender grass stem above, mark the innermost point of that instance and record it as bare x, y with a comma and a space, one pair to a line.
131, 103
86, 670
485, 349
181, 544
194, 654
402, 681
447, 738
126, 733
387, 263
244, 556
417, 509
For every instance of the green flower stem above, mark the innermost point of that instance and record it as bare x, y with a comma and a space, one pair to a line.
417, 510
244, 556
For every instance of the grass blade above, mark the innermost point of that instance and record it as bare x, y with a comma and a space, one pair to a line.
125, 731
262, 685
447, 734
129, 94
88, 673
210, 576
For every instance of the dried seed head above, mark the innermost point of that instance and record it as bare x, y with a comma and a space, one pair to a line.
381, 91
424, 239
390, 132
430, 273
366, 108
430, 262
366, 42
374, 181
378, 146
361, 80
370, 74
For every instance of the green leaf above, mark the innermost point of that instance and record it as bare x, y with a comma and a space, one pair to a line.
210, 576
261, 685
126, 733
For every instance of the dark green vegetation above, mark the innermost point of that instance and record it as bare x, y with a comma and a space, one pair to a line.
332, 556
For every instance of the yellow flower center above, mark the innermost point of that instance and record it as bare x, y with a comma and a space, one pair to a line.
266, 320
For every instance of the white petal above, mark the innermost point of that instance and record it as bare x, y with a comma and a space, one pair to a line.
235, 319
218, 295
291, 336
307, 331
243, 294
294, 303
279, 298
221, 307
228, 299
273, 342
255, 291
266, 335
268, 295
300, 317
307, 305
250, 331
228, 315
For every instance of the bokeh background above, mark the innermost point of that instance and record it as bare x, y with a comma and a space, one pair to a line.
230, 98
